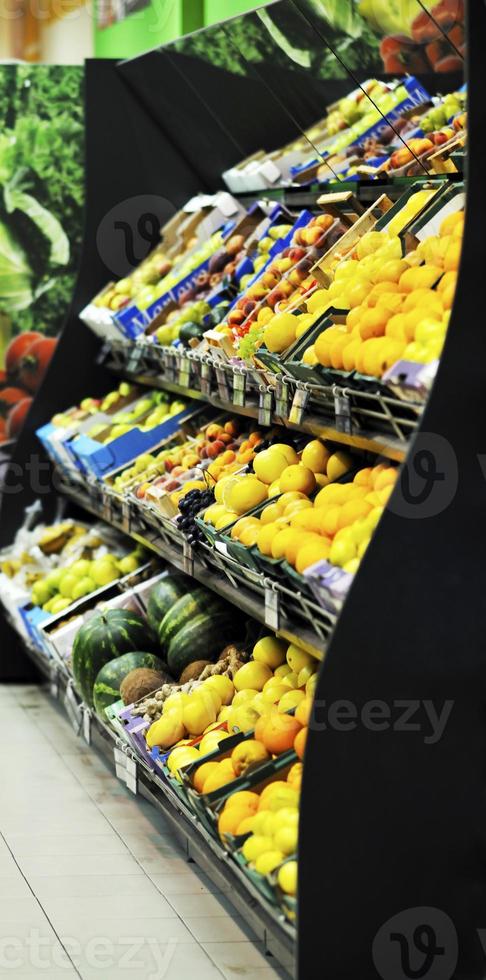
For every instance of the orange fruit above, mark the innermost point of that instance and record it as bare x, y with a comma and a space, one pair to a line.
300, 742
278, 732
421, 277
352, 512
350, 354
247, 755
294, 777
230, 819
303, 711
373, 323
295, 543
218, 779
244, 798
202, 773
312, 552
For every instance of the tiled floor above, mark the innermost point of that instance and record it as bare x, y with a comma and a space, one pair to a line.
92, 883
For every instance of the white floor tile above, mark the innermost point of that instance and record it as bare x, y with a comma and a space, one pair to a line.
100, 866
170, 961
191, 883
94, 907
192, 906
238, 959
66, 845
156, 928
91, 886
107, 864
219, 929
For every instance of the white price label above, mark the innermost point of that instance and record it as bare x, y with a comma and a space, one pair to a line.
342, 411
299, 404
87, 726
272, 608
126, 770
54, 682
184, 374
265, 407
74, 709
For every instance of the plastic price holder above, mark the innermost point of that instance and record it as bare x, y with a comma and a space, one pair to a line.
126, 516
299, 405
104, 353
87, 725
126, 768
342, 411
73, 708
134, 360
205, 378
239, 388
223, 389
265, 406
53, 680
272, 608
188, 556
282, 399
184, 373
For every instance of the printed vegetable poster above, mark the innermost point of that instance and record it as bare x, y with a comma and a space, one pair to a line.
41, 221
331, 38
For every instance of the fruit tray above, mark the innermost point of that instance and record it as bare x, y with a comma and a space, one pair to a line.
181, 787
207, 806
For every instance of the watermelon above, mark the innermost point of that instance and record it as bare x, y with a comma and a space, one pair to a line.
106, 688
201, 639
103, 638
184, 610
164, 595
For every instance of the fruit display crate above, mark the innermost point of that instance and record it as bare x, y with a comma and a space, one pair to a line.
352, 415
291, 613
277, 935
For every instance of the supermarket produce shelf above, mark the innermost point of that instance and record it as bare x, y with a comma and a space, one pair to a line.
382, 444
263, 602
277, 936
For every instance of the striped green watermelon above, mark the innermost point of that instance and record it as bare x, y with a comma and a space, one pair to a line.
106, 688
103, 638
201, 639
186, 609
164, 595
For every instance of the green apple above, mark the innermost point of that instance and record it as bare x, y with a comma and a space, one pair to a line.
104, 571
41, 593
128, 564
80, 568
59, 605
84, 587
68, 584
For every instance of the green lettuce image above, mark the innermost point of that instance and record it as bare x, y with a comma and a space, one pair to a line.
393, 16
41, 195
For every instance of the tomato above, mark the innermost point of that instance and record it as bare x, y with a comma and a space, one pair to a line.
35, 362
9, 397
17, 416
17, 348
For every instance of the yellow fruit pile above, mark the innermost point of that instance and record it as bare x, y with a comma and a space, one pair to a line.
270, 817
336, 526
399, 307
279, 676
277, 470
193, 714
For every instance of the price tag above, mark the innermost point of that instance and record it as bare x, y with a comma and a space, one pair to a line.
131, 775
126, 769
103, 354
188, 555
120, 767
223, 389
133, 362
87, 725
239, 388
106, 510
299, 404
126, 516
205, 379
342, 411
265, 407
73, 708
272, 608
282, 399
53, 681
184, 373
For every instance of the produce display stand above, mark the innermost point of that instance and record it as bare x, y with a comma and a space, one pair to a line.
390, 823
